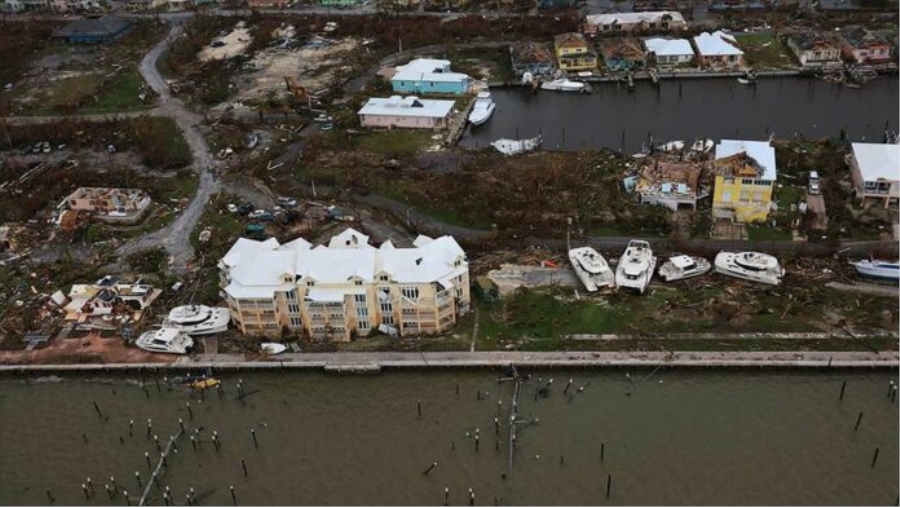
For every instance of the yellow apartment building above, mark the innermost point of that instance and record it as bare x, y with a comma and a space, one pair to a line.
745, 180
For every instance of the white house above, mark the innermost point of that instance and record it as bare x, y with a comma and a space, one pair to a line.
426, 75
345, 288
405, 112
718, 50
661, 21
669, 52
875, 169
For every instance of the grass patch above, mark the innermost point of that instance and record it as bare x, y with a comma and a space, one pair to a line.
121, 94
65, 92
395, 142
763, 51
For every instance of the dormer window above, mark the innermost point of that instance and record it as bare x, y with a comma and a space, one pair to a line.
310, 283
357, 282
383, 278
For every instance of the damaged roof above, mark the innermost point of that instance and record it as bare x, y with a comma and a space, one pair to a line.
733, 154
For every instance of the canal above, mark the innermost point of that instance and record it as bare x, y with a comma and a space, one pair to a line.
664, 437
687, 109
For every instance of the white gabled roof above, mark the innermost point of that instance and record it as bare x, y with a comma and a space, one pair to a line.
661, 46
298, 244
631, 18
428, 69
243, 246
259, 273
877, 161
717, 44
407, 106
761, 151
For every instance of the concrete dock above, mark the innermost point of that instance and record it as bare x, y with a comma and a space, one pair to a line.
371, 362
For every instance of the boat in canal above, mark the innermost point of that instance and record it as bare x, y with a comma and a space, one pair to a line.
636, 266
204, 383
681, 267
749, 78
167, 340
751, 266
591, 268
483, 109
517, 146
565, 85
198, 319
883, 270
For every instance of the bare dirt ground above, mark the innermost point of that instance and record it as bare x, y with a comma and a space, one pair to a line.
236, 43
91, 348
314, 68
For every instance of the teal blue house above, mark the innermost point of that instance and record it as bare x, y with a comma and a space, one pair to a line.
424, 75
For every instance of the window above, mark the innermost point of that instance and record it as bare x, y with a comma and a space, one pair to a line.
748, 181
871, 185
387, 320
337, 316
364, 324
359, 298
383, 278
410, 292
310, 283
358, 283
293, 308
726, 196
728, 180
362, 312
387, 307
295, 321
745, 195
459, 293
409, 311
291, 295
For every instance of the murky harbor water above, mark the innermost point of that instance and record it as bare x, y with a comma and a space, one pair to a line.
672, 438
690, 108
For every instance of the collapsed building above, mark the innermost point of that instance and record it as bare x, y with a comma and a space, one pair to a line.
113, 205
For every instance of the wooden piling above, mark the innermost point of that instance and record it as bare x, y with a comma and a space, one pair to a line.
147, 457
419, 407
244, 466
162, 462
446, 496
874, 458
50, 496
233, 497
608, 485
125, 494
253, 434
858, 419
568, 386
602, 450
843, 387
190, 412
137, 476
97, 408
131, 428
430, 468
471, 497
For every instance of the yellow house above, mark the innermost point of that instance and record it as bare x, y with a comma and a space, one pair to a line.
745, 178
574, 53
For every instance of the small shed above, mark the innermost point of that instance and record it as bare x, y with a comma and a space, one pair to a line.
93, 30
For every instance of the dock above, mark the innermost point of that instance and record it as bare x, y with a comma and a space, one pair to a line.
458, 125
159, 465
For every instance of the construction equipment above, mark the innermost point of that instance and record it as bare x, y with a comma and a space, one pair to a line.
299, 92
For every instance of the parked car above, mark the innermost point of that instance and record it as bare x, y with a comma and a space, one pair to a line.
287, 201
266, 217
257, 213
245, 209
217, 43
328, 127
814, 188
232, 208
323, 118
46, 147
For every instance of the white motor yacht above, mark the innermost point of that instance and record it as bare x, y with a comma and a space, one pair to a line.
752, 266
679, 267
591, 268
517, 146
564, 85
884, 270
166, 340
483, 109
636, 266
272, 348
198, 319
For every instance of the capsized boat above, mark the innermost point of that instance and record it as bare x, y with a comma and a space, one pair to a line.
636, 266
565, 85
515, 147
198, 319
752, 266
679, 267
591, 268
884, 270
204, 383
272, 348
483, 109
166, 340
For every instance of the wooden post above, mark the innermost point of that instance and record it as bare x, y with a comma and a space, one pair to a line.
875, 458
843, 386
99, 413
233, 497
858, 419
608, 485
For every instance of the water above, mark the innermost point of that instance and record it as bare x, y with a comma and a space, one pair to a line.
678, 438
716, 108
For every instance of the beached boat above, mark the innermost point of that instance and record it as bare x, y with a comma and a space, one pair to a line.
591, 268
884, 270
272, 348
564, 85
483, 109
752, 266
680, 267
198, 319
636, 266
166, 340
516, 146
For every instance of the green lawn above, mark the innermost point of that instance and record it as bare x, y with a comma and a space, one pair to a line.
398, 142
120, 94
763, 51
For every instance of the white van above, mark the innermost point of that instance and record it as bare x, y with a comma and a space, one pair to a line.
814, 183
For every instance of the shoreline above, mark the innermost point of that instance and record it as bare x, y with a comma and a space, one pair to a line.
365, 362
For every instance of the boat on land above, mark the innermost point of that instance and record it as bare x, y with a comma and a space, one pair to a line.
565, 85
483, 109
591, 268
636, 266
751, 266
272, 348
198, 319
517, 146
883, 270
167, 340
680, 267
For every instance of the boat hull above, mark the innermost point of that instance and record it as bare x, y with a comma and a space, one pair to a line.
480, 116
669, 273
217, 322
725, 265
873, 271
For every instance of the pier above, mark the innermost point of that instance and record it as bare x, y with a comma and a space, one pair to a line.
162, 460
